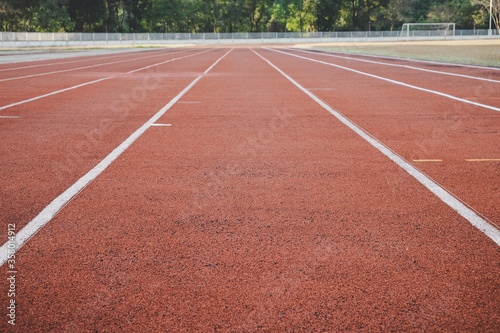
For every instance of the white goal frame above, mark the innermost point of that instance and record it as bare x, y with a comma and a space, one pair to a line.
405, 30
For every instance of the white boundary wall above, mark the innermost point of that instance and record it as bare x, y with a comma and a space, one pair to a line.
41, 39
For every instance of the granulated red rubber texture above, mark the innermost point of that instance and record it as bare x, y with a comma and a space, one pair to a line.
60, 138
21, 89
257, 211
478, 91
416, 124
472, 70
18, 69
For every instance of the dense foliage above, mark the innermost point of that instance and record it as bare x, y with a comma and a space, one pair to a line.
233, 15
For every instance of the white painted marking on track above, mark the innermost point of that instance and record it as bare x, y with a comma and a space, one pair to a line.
416, 60
161, 63
58, 203
84, 67
92, 58
398, 65
161, 124
10, 117
91, 82
445, 196
54, 93
391, 81
483, 160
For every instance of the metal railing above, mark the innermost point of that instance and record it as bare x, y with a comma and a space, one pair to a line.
73, 38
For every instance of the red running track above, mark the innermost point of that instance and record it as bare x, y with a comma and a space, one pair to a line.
419, 125
21, 85
64, 135
256, 209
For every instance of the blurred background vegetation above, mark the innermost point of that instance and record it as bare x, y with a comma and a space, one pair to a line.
234, 15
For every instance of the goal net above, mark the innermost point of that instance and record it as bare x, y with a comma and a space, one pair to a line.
427, 30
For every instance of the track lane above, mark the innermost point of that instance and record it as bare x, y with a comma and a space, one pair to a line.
417, 126
405, 66
64, 68
28, 64
449, 198
469, 90
252, 212
35, 88
440, 65
60, 138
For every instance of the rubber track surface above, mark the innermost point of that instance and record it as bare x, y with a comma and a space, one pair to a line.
256, 210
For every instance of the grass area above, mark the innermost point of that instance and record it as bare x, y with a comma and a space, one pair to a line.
476, 52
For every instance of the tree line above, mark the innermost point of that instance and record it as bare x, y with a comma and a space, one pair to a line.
235, 15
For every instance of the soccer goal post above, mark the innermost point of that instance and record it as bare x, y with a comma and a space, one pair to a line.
427, 30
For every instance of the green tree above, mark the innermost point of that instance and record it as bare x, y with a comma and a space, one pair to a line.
52, 15
87, 15
278, 16
355, 7
495, 13
302, 15
18, 14
161, 16
133, 12
392, 14
235, 15
327, 13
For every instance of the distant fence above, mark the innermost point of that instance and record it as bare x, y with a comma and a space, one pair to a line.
36, 39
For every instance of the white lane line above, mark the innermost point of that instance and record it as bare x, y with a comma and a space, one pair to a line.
432, 186
58, 203
391, 81
415, 60
88, 83
122, 54
54, 93
10, 117
398, 65
483, 160
161, 124
79, 68
164, 62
